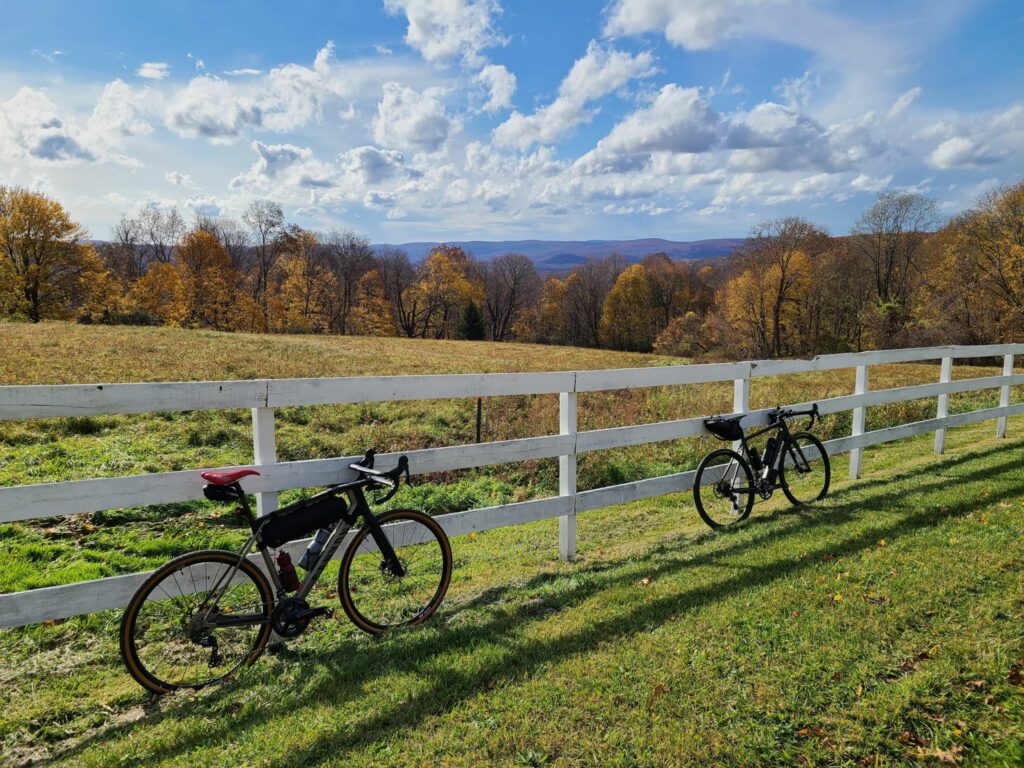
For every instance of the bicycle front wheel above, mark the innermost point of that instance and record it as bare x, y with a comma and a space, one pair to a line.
723, 489
195, 621
804, 472
378, 596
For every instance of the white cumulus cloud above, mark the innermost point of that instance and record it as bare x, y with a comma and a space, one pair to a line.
411, 119
444, 30
599, 72
500, 84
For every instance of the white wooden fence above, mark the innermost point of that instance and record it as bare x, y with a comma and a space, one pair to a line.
263, 396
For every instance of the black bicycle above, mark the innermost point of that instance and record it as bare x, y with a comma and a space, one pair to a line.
727, 481
205, 614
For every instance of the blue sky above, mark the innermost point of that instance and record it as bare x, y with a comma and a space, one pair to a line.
481, 119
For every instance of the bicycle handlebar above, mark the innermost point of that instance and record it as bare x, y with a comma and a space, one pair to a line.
789, 413
390, 479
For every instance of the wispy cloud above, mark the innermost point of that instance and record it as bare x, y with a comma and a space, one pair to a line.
154, 70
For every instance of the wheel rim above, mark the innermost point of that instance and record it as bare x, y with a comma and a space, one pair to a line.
384, 599
169, 639
805, 472
723, 503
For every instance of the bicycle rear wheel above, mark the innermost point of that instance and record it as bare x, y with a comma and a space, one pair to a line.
175, 634
804, 472
723, 489
373, 596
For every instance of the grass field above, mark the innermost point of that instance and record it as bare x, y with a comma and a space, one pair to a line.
881, 628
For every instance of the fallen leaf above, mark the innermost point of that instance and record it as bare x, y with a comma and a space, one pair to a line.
827, 558
859, 690
812, 731
881, 542
837, 598
88, 527
472, 537
659, 690
645, 581
912, 739
794, 614
952, 756
1015, 676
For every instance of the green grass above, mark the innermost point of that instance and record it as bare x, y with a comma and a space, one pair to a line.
881, 628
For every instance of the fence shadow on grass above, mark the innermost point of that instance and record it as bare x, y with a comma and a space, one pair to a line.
355, 663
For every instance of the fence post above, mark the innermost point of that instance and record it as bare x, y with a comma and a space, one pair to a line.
264, 449
740, 400
567, 476
1004, 396
945, 376
860, 387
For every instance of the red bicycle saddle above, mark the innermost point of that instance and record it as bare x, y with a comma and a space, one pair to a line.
227, 478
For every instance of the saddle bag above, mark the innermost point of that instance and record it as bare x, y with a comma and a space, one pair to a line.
726, 429
302, 518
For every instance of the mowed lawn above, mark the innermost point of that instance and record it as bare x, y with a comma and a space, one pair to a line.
882, 627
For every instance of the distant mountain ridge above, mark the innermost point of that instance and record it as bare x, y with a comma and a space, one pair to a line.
565, 254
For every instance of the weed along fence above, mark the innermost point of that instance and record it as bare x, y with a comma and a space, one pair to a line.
263, 396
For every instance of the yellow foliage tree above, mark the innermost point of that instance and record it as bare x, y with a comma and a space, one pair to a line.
161, 293
627, 320
208, 283
447, 282
307, 285
47, 271
764, 306
372, 315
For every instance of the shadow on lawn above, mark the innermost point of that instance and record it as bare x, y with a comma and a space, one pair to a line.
355, 663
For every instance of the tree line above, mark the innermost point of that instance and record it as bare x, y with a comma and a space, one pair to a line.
900, 277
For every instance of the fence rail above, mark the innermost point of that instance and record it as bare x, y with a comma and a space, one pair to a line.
263, 396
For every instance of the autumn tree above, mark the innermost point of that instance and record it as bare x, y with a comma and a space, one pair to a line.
46, 270
208, 283
888, 238
773, 264
626, 319
990, 244
160, 230
303, 299
552, 322
448, 280
264, 218
398, 277
586, 289
511, 284
372, 314
349, 257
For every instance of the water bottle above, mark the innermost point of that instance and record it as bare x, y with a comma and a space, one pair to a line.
285, 569
770, 449
316, 546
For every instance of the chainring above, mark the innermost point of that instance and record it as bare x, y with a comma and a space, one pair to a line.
285, 619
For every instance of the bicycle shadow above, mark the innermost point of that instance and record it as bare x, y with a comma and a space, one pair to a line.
355, 663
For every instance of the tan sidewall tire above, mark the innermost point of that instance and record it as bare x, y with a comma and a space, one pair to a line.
128, 655
346, 563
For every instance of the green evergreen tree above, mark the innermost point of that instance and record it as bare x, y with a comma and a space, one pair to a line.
471, 326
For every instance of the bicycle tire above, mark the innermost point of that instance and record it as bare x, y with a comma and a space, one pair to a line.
700, 490
348, 582
787, 451
129, 648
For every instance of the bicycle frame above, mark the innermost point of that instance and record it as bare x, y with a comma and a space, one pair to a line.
781, 428
357, 507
